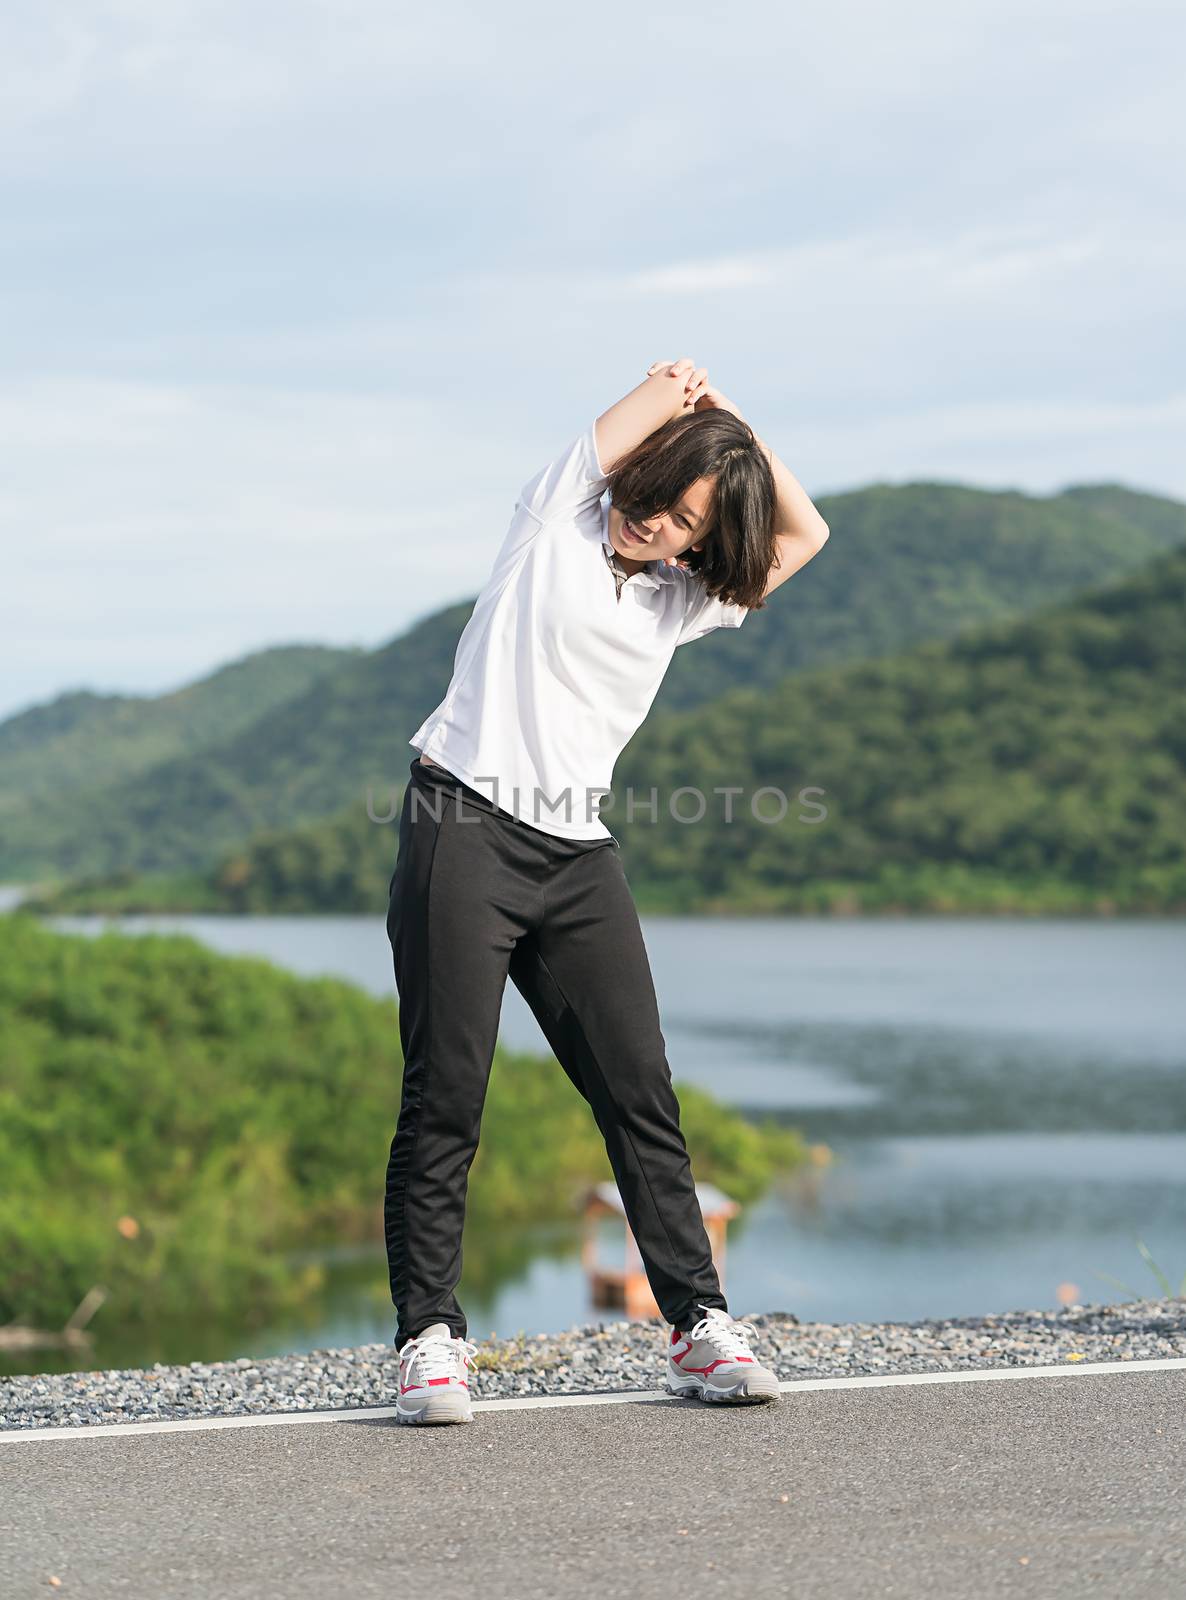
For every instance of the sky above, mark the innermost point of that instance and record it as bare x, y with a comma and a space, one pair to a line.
295, 297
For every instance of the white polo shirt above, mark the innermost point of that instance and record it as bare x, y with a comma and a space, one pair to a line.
555, 670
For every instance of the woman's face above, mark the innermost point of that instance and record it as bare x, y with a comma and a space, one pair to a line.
663, 537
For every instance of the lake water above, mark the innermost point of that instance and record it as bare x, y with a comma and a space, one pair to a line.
1006, 1100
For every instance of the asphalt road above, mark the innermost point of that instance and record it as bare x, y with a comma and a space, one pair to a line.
1044, 1487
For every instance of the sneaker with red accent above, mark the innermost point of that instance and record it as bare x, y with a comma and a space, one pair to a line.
713, 1361
434, 1371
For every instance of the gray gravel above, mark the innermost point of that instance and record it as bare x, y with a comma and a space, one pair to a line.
602, 1356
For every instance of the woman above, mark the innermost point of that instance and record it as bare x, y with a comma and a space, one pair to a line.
504, 867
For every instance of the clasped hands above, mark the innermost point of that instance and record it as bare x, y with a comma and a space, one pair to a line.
698, 393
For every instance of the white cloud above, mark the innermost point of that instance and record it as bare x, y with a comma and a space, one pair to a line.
294, 295
151, 529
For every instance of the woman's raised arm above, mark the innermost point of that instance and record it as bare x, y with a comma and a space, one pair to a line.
670, 392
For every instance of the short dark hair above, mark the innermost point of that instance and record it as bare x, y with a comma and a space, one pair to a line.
738, 529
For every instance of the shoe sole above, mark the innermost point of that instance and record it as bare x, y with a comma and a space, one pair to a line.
439, 1410
738, 1395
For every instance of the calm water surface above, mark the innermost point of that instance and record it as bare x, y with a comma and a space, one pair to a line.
1006, 1100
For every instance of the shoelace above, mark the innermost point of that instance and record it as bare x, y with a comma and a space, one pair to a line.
725, 1333
440, 1357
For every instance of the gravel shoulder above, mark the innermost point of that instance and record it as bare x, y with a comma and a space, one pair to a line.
603, 1357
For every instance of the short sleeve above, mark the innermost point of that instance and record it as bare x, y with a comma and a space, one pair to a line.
569, 484
704, 612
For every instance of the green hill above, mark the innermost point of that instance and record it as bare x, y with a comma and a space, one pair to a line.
927, 561
905, 564
82, 740
1033, 765
1037, 766
1154, 513
300, 761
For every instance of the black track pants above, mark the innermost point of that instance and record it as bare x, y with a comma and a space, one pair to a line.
476, 896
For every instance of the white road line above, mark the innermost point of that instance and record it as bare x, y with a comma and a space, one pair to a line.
277, 1419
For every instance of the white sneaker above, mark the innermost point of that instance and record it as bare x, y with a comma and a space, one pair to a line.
434, 1371
713, 1361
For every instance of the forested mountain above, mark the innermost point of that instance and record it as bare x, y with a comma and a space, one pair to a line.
925, 561
1033, 765
1037, 764
82, 739
905, 564
302, 760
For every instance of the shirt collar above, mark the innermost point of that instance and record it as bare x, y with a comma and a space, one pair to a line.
648, 578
